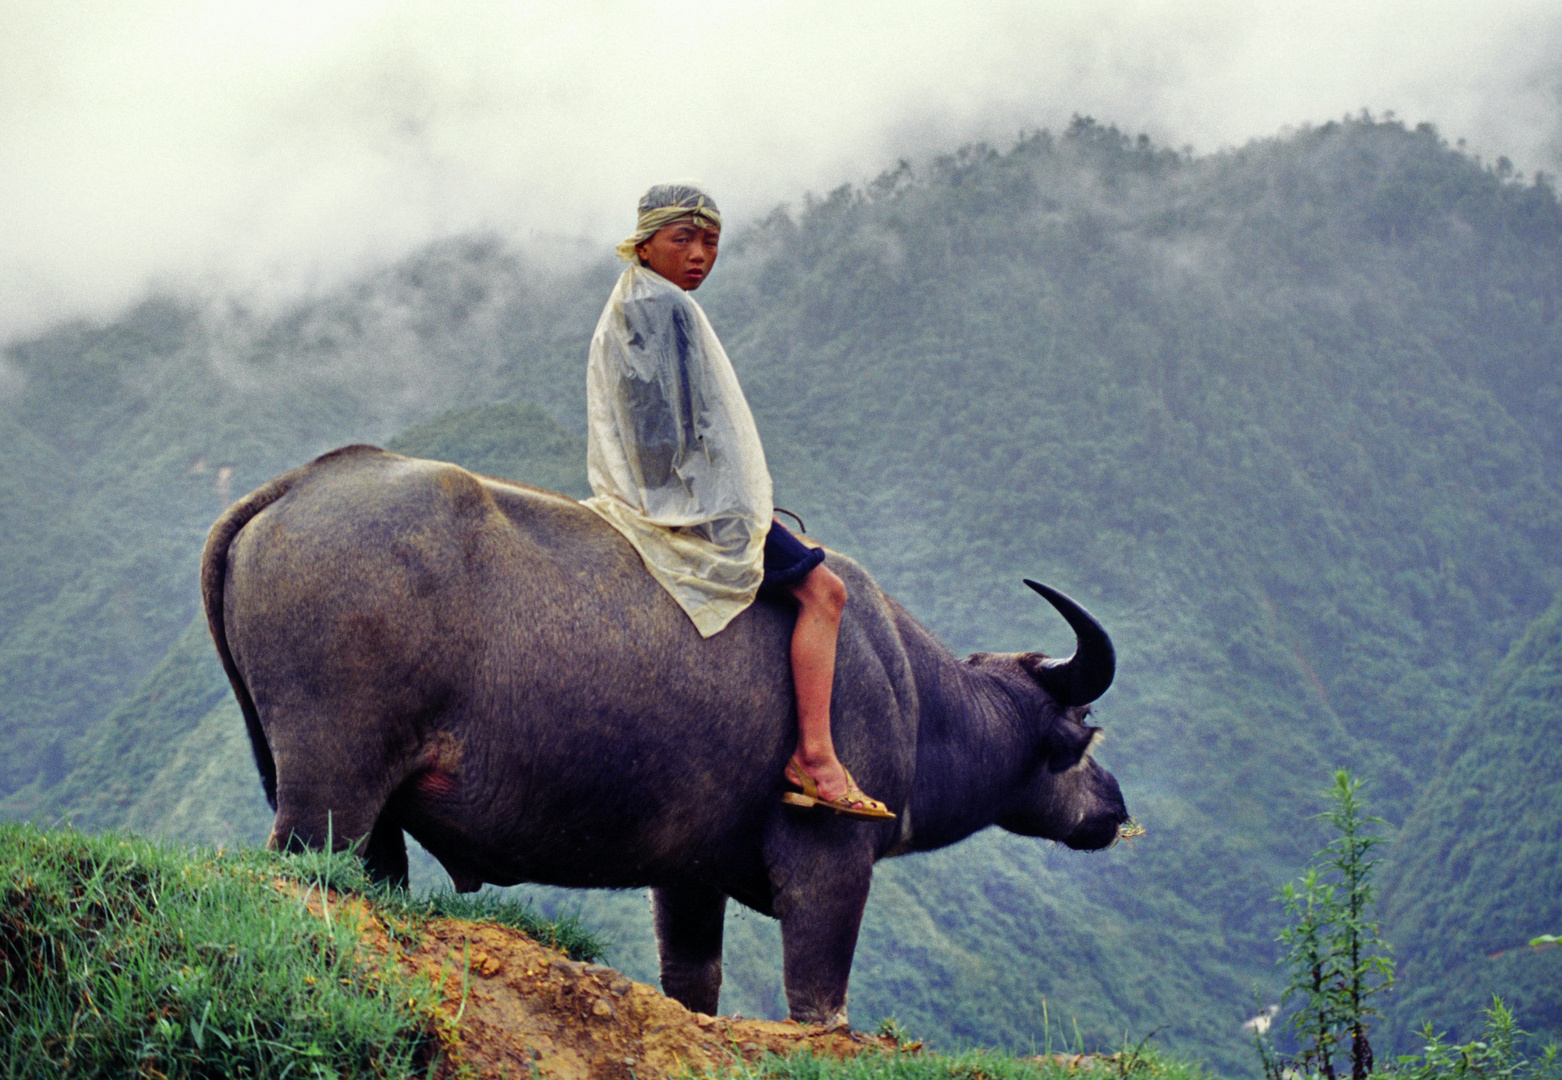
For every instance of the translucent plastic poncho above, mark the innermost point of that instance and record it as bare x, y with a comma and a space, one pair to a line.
672, 452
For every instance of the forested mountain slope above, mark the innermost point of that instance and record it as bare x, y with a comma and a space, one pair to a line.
1477, 875
1287, 418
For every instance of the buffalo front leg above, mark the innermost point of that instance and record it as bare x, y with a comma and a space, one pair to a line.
689, 921
820, 915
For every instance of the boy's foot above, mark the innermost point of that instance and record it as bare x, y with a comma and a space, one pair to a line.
854, 802
824, 769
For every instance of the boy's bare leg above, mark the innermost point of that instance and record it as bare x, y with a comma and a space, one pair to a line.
822, 597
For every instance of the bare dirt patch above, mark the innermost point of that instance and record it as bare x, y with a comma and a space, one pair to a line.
510, 1007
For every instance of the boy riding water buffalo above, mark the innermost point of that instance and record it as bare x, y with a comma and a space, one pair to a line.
488, 667
676, 464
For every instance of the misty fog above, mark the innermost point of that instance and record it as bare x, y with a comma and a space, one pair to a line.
269, 153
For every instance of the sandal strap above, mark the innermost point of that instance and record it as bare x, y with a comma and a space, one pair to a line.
854, 799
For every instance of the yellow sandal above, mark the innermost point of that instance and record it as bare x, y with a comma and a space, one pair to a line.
855, 803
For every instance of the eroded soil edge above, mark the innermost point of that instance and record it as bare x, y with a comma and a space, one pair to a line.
510, 1007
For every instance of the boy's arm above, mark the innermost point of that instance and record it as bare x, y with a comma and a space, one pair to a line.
658, 393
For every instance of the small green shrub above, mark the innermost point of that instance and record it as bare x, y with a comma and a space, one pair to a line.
1495, 1055
1335, 960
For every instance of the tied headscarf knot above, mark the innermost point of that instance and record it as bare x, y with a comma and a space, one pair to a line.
665, 204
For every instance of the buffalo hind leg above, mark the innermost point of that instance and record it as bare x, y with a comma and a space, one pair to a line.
385, 853
316, 814
689, 920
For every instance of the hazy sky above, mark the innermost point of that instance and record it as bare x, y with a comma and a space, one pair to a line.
267, 148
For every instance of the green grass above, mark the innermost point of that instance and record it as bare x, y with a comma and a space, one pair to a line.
1142, 1063
123, 957
566, 933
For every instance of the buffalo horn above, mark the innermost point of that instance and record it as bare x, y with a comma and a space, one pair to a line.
1084, 676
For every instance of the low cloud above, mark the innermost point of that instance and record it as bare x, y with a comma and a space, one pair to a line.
200, 148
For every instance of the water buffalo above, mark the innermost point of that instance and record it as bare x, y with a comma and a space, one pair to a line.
488, 666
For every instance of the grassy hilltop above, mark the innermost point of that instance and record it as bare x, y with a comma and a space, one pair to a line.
1288, 418
120, 957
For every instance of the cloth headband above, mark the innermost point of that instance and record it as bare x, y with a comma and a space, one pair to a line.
701, 213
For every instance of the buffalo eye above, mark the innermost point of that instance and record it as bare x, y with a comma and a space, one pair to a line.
1070, 746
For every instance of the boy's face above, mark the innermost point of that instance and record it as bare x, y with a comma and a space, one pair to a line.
682, 252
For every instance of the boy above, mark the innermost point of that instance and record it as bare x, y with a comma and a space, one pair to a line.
676, 464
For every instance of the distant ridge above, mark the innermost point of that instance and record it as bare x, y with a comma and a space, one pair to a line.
1288, 418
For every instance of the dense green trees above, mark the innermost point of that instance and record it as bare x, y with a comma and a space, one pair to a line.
1477, 873
1286, 417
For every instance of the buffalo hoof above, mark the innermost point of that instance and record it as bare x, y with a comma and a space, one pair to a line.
830, 1019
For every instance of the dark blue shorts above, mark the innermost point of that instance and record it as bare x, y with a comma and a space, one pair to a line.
787, 560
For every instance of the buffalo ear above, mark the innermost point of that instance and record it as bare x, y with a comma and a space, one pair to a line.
1035, 663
